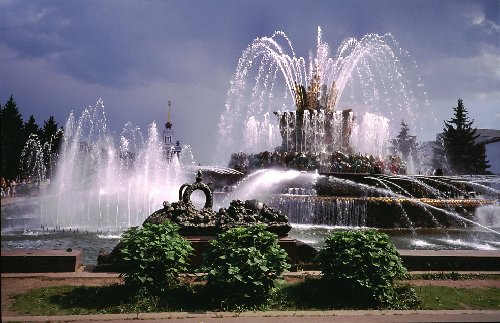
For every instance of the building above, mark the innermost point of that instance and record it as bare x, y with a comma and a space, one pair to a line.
490, 138
169, 148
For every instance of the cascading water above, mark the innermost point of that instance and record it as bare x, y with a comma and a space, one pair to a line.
103, 185
311, 198
315, 203
343, 212
265, 183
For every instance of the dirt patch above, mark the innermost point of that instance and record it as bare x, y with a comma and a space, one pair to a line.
467, 283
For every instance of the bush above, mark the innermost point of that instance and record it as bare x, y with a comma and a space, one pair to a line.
362, 266
154, 256
243, 264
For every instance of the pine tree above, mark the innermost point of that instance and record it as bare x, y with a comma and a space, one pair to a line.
12, 139
49, 130
405, 144
51, 138
31, 127
464, 156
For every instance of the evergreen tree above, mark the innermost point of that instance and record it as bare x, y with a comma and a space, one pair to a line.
12, 139
464, 156
31, 127
49, 129
51, 138
405, 144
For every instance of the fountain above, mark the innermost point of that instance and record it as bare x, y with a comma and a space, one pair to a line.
311, 138
328, 167
100, 184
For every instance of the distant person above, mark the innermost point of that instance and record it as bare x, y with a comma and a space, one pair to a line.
13, 187
439, 172
3, 184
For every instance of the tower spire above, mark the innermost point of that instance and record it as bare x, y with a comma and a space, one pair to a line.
169, 148
169, 123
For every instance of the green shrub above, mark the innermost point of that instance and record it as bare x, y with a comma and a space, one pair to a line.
243, 264
362, 265
154, 256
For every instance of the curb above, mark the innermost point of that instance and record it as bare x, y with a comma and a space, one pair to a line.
295, 316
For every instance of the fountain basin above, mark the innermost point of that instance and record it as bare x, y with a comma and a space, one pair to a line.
378, 212
42, 260
451, 260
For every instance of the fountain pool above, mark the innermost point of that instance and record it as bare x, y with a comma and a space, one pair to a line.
92, 242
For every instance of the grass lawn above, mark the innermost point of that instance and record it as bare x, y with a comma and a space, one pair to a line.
69, 300
448, 298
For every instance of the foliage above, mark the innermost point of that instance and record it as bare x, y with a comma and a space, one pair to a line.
321, 294
31, 128
12, 138
154, 256
362, 265
405, 144
15, 133
405, 297
243, 264
51, 139
464, 156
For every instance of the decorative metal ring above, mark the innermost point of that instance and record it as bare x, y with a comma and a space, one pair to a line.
181, 190
189, 189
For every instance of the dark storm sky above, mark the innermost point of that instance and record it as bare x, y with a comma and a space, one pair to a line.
59, 56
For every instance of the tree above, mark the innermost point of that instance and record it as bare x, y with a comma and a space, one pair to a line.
12, 138
405, 144
464, 156
31, 128
51, 138
15, 133
49, 129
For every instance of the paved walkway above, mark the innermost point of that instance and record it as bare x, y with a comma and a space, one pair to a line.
85, 272
282, 316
